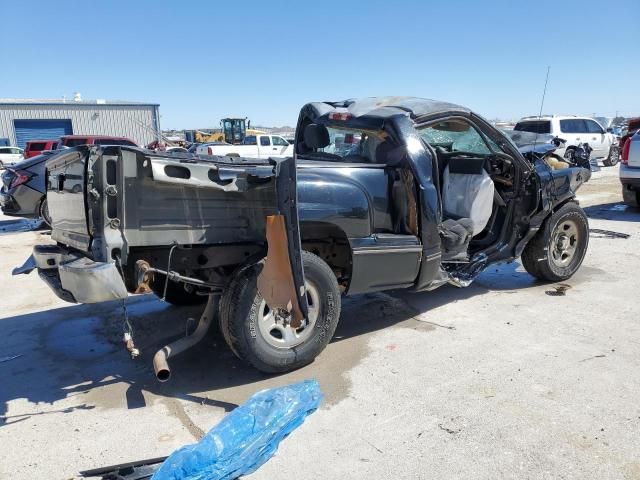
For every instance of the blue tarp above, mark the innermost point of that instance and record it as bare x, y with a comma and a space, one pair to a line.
246, 438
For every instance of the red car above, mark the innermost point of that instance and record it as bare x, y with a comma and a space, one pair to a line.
633, 127
75, 140
36, 147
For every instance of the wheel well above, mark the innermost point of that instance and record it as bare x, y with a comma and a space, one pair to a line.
561, 204
557, 207
330, 243
39, 205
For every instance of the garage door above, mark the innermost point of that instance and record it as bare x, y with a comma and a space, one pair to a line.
40, 130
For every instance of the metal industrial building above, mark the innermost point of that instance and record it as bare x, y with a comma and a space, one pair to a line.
23, 120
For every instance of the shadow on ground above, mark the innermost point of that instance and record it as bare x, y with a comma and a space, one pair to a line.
18, 225
76, 351
617, 211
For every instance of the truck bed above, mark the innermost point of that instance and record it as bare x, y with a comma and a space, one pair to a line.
138, 198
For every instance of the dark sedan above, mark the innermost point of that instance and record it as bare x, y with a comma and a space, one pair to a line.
23, 192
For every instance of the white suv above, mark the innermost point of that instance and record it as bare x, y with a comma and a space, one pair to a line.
575, 130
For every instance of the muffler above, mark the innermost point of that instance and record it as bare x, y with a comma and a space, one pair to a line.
161, 358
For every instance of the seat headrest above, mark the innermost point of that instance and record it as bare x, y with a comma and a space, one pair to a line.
466, 166
389, 153
316, 136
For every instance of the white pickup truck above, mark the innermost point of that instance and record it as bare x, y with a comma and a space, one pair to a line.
253, 146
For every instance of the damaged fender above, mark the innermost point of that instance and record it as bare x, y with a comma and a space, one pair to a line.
281, 281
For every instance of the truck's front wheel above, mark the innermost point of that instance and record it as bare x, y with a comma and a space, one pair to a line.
267, 341
556, 252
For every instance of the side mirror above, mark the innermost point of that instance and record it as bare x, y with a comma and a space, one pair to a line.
609, 130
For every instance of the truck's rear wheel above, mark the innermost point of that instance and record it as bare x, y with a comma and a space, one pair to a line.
268, 342
557, 250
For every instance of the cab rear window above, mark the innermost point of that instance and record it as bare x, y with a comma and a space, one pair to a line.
538, 126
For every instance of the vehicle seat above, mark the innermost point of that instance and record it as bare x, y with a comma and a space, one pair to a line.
402, 187
456, 236
316, 136
390, 154
468, 191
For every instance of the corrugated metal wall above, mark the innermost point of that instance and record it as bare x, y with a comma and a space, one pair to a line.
40, 129
136, 122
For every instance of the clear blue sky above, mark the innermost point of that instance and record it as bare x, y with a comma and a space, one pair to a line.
264, 60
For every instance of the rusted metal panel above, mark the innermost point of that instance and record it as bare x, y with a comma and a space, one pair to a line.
276, 280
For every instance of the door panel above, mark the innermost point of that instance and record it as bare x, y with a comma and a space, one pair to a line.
596, 139
572, 130
264, 146
279, 145
384, 261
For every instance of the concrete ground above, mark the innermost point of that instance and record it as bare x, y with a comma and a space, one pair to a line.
497, 380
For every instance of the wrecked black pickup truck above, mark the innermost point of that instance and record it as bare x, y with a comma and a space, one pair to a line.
382, 193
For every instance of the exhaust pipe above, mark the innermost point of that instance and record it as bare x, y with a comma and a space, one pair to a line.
161, 358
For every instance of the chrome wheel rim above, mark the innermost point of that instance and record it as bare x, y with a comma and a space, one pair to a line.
564, 243
275, 326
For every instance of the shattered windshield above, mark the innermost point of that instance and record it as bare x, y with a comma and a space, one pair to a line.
455, 136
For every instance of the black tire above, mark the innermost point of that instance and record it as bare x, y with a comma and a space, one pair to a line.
544, 256
176, 293
242, 306
613, 158
570, 155
630, 197
43, 211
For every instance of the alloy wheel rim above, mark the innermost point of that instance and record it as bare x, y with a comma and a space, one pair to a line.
564, 243
275, 327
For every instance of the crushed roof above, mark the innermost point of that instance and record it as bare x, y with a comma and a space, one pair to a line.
388, 106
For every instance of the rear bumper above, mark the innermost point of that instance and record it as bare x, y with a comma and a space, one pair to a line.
630, 177
21, 201
75, 278
8, 204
